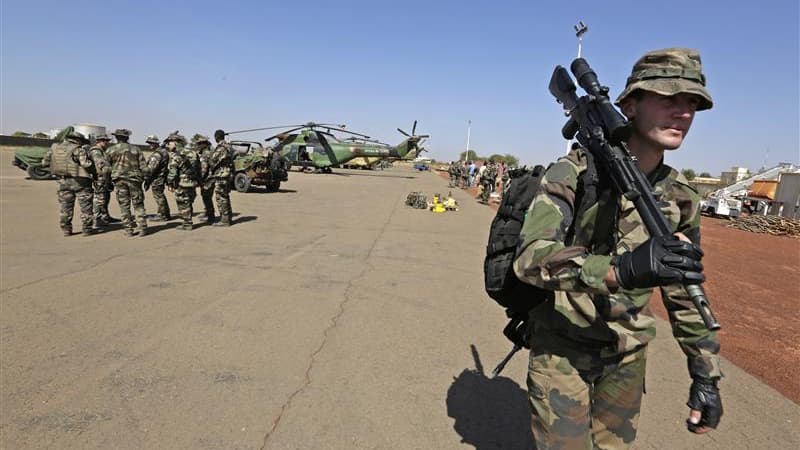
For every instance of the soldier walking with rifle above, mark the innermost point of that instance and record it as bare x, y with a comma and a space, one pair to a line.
589, 339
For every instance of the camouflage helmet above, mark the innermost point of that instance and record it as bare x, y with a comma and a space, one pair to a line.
669, 71
77, 136
177, 137
198, 138
102, 137
152, 139
122, 132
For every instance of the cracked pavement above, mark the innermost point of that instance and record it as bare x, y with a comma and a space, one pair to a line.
330, 317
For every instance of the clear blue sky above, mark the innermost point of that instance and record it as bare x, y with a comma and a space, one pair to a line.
196, 66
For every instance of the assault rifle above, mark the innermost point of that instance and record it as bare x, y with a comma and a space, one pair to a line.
601, 129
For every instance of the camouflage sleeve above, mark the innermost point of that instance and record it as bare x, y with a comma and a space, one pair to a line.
99, 159
172, 167
700, 345
46, 158
543, 259
153, 162
83, 159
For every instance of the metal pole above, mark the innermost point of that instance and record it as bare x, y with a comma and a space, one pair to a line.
469, 127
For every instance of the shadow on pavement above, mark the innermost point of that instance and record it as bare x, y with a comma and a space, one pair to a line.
489, 413
243, 219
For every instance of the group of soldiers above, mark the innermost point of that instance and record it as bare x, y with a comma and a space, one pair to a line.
465, 175
90, 173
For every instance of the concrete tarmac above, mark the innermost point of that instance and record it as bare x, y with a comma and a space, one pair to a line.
330, 316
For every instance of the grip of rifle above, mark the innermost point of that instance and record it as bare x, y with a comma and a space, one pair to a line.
701, 303
570, 128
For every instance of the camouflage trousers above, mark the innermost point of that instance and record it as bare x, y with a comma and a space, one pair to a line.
70, 189
222, 195
579, 401
184, 197
102, 195
207, 194
130, 193
162, 206
453, 180
487, 189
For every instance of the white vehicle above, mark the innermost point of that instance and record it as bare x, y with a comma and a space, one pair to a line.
720, 205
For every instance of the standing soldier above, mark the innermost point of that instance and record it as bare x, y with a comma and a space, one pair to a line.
69, 161
465, 175
488, 179
127, 170
156, 177
183, 175
219, 172
102, 181
203, 148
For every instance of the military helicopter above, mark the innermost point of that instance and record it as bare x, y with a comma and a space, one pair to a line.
315, 148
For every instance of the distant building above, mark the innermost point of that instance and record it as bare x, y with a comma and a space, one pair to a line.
735, 175
705, 185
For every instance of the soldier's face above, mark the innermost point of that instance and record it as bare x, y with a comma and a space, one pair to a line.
660, 120
171, 145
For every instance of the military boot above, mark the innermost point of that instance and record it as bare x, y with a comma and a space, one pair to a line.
100, 222
67, 232
88, 232
129, 232
223, 222
142, 231
187, 226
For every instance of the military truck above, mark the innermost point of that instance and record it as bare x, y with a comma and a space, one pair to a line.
255, 165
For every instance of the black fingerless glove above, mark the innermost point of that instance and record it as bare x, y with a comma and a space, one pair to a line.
704, 397
660, 261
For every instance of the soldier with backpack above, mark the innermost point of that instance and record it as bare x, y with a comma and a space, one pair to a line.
69, 161
588, 266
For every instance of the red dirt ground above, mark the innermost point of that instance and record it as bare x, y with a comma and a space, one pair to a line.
753, 284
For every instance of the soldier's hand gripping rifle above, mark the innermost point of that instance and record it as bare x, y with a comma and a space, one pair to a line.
601, 129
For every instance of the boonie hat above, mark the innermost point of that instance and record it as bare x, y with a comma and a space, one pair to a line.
122, 132
669, 71
102, 137
152, 139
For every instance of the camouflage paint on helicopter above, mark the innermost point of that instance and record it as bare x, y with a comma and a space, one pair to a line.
316, 147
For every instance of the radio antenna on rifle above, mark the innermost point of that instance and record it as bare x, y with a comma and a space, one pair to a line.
580, 30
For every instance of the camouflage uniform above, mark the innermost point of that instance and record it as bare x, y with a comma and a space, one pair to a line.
69, 161
587, 363
487, 181
203, 148
157, 177
127, 170
465, 175
183, 174
102, 183
452, 170
220, 166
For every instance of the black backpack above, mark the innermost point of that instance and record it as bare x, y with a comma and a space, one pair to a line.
500, 281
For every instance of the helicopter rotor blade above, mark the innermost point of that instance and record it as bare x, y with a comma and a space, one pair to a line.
262, 129
414, 128
403, 133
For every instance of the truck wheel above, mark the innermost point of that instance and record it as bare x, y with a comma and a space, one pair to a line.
38, 173
241, 182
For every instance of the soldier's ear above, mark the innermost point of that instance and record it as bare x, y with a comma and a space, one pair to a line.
628, 107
